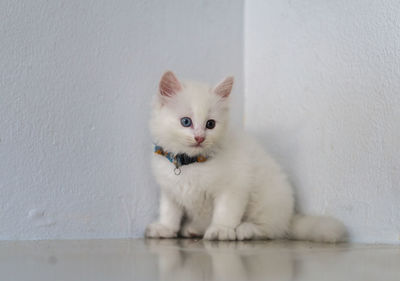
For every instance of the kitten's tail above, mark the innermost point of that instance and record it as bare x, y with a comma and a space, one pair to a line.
317, 229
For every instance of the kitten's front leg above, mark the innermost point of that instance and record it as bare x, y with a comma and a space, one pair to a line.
169, 221
229, 208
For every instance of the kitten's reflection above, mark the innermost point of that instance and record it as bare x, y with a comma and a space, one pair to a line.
186, 259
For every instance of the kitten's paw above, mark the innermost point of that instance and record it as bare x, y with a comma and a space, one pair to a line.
158, 230
219, 232
246, 231
189, 231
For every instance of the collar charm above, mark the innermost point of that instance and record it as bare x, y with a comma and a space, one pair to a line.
179, 159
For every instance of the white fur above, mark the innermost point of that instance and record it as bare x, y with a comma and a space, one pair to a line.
239, 193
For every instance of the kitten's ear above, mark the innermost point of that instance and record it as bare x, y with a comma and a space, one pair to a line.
224, 88
169, 84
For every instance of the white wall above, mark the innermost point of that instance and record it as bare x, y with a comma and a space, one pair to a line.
322, 91
76, 81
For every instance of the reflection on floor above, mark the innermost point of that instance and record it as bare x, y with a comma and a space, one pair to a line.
194, 260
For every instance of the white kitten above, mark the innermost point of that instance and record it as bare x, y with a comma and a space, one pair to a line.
239, 192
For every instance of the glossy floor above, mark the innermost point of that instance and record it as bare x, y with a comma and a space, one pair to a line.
193, 260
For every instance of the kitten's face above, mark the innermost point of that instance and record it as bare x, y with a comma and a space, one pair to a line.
190, 117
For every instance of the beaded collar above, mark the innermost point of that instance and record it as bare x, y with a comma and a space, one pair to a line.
179, 159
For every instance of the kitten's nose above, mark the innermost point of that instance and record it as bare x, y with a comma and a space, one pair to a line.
198, 139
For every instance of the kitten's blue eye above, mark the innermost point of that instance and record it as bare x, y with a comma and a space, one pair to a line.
186, 122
